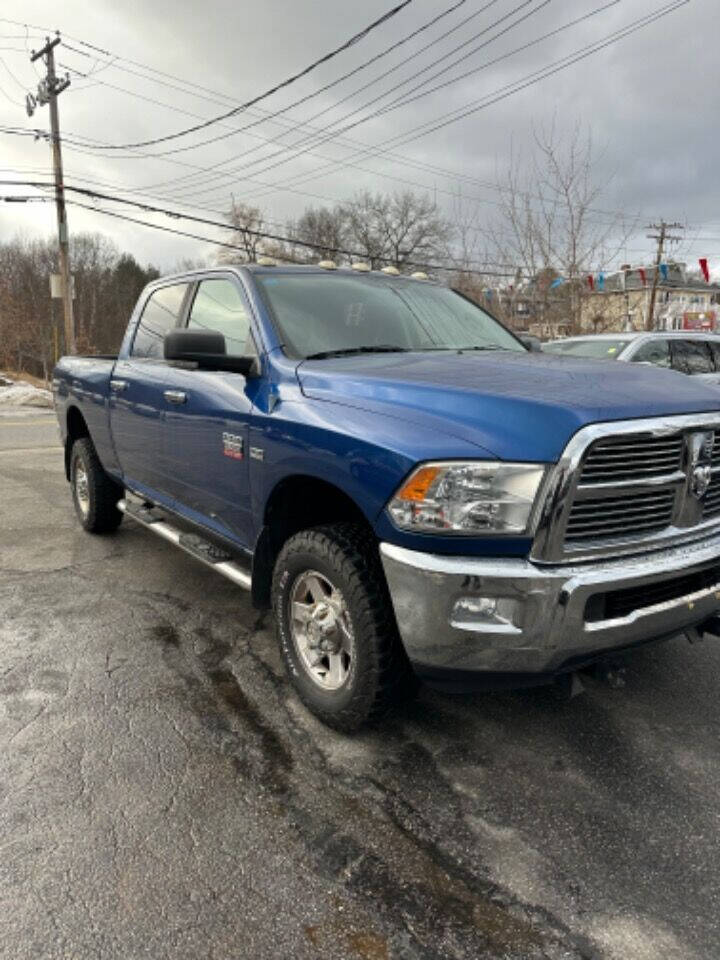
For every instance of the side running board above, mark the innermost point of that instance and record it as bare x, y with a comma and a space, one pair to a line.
209, 554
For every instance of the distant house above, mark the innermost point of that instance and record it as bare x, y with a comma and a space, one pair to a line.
682, 302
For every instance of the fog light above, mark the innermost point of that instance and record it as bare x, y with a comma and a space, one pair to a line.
497, 614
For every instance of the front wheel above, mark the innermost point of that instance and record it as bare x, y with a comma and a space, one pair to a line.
336, 626
95, 494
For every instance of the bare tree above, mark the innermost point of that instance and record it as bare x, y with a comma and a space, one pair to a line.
548, 225
246, 222
323, 228
396, 228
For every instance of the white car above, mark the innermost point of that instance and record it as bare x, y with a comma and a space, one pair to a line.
696, 354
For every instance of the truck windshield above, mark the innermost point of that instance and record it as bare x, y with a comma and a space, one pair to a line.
324, 314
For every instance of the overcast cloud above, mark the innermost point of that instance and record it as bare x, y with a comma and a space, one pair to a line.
651, 102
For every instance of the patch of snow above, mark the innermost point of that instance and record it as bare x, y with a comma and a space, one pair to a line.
20, 394
641, 938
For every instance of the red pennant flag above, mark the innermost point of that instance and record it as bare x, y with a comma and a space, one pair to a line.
704, 267
591, 282
642, 276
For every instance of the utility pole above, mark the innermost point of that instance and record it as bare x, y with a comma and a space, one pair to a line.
48, 91
662, 236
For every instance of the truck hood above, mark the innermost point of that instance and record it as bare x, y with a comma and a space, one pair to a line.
517, 406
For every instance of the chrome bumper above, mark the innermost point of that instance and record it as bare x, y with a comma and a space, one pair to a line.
513, 616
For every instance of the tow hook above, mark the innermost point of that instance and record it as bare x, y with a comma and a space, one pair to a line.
569, 685
710, 626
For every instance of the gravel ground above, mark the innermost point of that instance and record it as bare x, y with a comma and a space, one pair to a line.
163, 794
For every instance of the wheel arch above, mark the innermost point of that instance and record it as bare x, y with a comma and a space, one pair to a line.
76, 427
296, 503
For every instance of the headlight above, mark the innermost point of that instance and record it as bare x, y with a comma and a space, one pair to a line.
473, 497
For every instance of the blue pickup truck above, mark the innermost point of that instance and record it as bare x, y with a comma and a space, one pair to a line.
409, 489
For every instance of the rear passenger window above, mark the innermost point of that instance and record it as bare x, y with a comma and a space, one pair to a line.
160, 315
691, 356
218, 305
653, 351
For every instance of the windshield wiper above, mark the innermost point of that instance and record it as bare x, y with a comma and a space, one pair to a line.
348, 351
488, 346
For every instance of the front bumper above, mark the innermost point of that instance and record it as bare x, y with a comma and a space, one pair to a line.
508, 616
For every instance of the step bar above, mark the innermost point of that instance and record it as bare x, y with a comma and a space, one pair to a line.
204, 551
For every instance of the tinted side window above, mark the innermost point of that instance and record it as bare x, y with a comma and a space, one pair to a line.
653, 351
219, 306
160, 315
691, 356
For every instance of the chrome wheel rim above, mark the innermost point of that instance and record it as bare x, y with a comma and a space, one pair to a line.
321, 630
82, 489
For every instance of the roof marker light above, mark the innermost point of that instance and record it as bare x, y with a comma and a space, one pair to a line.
419, 275
266, 262
328, 265
361, 267
391, 271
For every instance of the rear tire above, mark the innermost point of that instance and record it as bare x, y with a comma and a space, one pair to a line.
336, 627
95, 495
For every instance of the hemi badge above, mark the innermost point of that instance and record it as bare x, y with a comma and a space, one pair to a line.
233, 446
257, 453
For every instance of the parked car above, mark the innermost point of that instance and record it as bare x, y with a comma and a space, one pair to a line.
695, 354
400, 479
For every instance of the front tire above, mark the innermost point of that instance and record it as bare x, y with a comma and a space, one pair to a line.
336, 626
95, 495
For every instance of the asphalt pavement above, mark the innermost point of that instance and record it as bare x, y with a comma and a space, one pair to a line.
164, 795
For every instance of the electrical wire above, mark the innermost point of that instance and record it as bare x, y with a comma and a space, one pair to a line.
425, 167
496, 96
356, 38
401, 101
260, 234
332, 134
382, 76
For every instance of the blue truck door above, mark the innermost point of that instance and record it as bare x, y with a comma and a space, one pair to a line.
137, 404
207, 415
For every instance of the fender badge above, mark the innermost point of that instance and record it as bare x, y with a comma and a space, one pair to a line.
233, 446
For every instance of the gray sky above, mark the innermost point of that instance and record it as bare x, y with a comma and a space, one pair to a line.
650, 101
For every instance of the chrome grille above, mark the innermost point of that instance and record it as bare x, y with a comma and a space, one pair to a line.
711, 507
632, 458
633, 485
608, 518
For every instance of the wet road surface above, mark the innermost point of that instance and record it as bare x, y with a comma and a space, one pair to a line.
163, 794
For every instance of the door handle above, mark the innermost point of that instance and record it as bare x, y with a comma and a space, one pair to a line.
175, 396
119, 385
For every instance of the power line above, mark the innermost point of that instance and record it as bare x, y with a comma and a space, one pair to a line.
503, 92
269, 117
279, 86
260, 234
409, 161
402, 102
280, 186
184, 233
332, 134
333, 83
139, 191
294, 126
